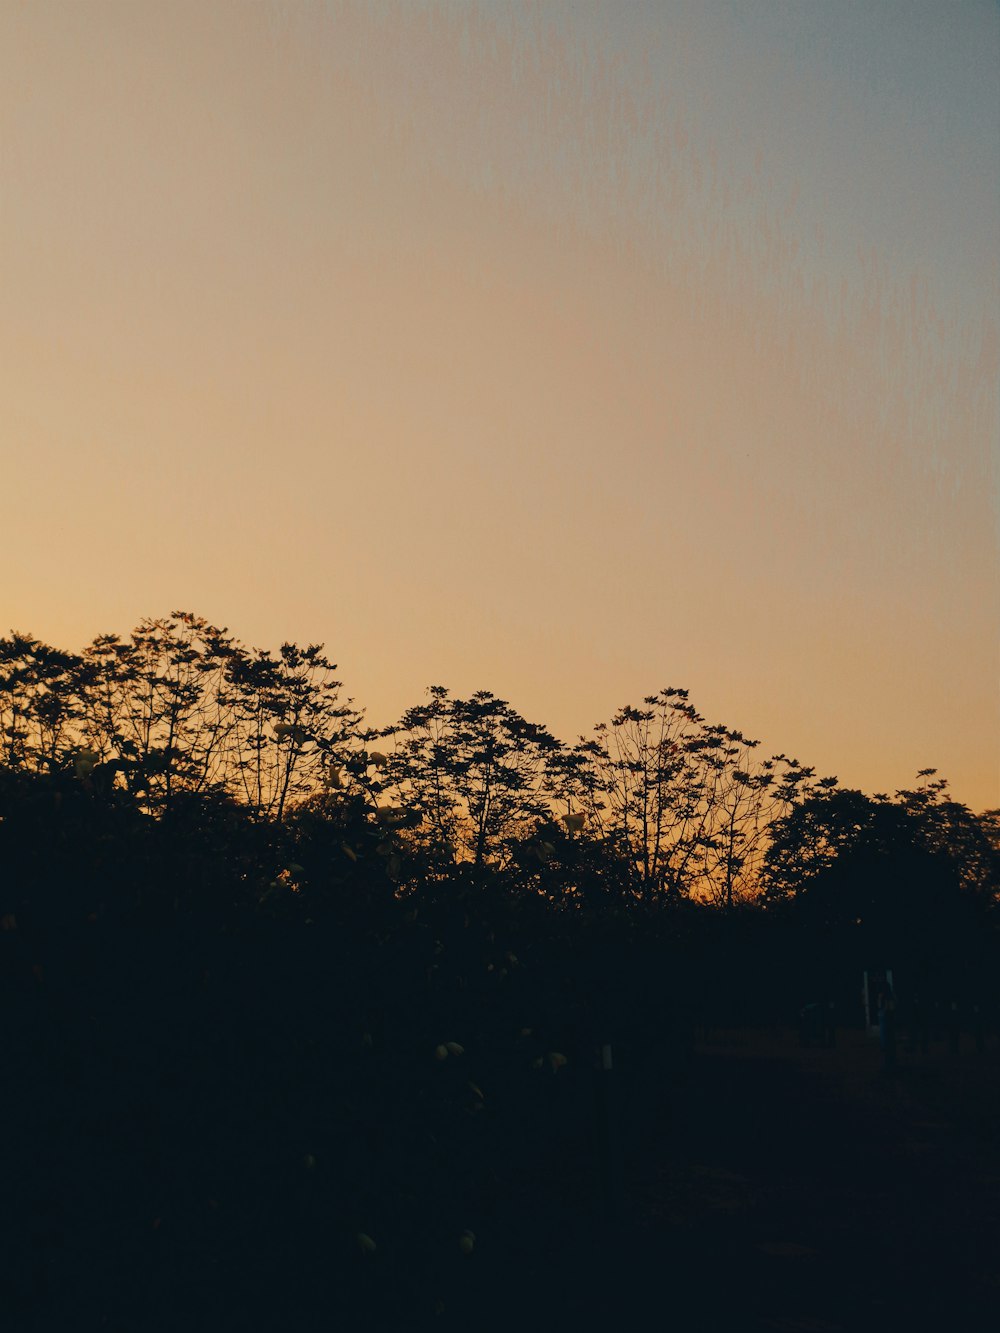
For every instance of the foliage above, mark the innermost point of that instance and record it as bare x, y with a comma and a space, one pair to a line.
475, 771
38, 706
682, 803
289, 724
833, 826
912, 879
177, 707
654, 805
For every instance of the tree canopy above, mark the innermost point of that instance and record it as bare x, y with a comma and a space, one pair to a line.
657, 803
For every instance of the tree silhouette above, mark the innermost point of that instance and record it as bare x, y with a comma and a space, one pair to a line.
475, 769
155, 707
39, 709
746, 797
179, 710
905, 882
681, 802
289, 724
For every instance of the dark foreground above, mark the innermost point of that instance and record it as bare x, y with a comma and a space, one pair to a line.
805, 1189
183, 1183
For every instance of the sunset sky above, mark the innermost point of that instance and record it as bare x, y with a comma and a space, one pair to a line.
565, 350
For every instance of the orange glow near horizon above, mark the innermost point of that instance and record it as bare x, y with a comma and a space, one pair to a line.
566, 351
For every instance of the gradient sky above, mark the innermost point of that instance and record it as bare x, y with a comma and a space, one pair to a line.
564, 350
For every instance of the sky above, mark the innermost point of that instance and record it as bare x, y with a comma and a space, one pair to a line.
564, 350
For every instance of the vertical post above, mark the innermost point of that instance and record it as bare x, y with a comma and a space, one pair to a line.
608, 1156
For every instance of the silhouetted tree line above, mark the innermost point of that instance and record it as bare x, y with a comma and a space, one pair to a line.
180, 710
380, 960
657, 803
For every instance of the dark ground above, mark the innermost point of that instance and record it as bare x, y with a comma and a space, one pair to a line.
806, 1189
765, 1186
801, 1189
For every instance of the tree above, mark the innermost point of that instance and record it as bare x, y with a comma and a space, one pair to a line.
682, 802
885, 878
644, 788
156, 707
290, 724
38, 709
746, 796
972, 842
475, 771
178, 708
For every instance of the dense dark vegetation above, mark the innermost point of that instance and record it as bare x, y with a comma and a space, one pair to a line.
302, 1019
